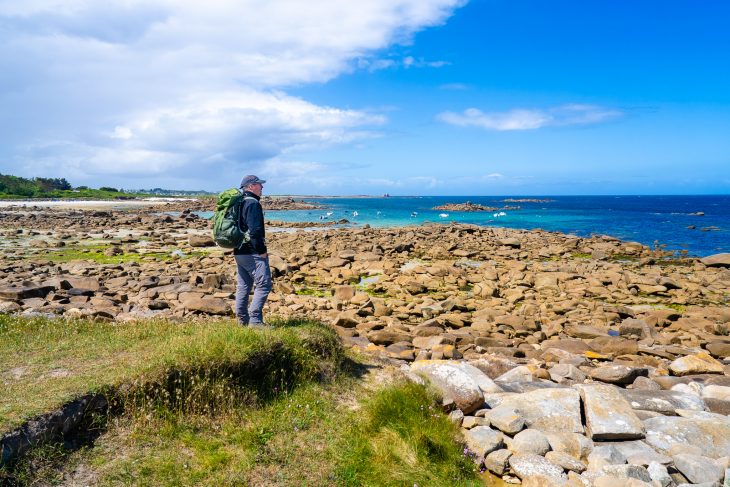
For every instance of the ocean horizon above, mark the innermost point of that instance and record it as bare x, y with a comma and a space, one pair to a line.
695, 225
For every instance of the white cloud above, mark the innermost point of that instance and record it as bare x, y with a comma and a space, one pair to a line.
531, 119
494, 175
175, 82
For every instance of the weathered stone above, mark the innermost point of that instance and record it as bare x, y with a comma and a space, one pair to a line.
498, 461
615, 346
698, 469
486, 384
721, 393
567, 462
627, 472
521, 373
659, 474
584, 331
664, 402
608, 415
200, 241
17, 293
574, 444
388, 336
482, 440
530, 441
505, 419
699, 363
611, 481
332, 263
618, 374
346, 319
453, 382
709, 434
542, 480
717, 260
214, 306
638, 452
457, 417
719, 349
605, 455
548, 409
639, 328
470, 422
562, 372
493, 365
529, 465
642, 383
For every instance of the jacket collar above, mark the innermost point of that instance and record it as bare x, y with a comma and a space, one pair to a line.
249, 193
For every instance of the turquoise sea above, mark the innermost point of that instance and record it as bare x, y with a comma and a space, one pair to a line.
672, 221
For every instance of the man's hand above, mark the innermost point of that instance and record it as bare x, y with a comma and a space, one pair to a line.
263, 256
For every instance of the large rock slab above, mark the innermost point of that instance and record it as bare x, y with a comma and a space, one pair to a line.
555, 410
573, 444
213, 306
482, 440
709, 434
637, 452
698, 363
530, 465
453, 382
664, 402
530, 441
482, 380
717, 260
608, 415
698, 469
17, 293
618, 374
201, 241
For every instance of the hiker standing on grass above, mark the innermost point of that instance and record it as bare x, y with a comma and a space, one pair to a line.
252, 259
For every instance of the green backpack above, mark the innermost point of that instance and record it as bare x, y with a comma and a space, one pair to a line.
226, 231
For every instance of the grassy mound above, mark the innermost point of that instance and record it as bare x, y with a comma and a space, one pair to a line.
211, 403
48, 362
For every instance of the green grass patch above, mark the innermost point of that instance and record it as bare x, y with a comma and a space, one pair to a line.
403, 438
74, 254
310, 291
581, 255
48, 362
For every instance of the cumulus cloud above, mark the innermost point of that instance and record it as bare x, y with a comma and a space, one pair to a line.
152, 86
531, 119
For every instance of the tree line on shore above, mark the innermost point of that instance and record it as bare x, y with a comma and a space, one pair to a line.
38, 187
16, 186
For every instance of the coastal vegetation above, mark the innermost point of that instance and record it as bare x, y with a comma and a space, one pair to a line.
15, 187
214, 403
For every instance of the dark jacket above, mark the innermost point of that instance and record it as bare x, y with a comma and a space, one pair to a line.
252, 219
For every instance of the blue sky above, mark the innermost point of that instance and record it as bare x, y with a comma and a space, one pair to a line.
432, 97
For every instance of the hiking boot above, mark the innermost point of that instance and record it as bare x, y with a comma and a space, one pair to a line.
260, 325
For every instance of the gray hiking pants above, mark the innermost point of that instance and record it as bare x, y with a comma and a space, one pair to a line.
253, 272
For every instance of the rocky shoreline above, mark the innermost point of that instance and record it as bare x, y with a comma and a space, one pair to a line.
566, 360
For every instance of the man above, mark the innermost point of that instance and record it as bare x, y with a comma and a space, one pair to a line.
252, 259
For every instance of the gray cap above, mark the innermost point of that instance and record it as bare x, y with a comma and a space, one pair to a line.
251, 179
